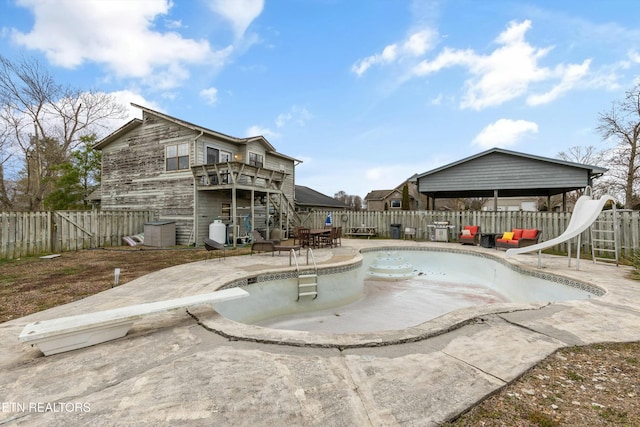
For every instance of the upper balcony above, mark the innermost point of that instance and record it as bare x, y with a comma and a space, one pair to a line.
237, 175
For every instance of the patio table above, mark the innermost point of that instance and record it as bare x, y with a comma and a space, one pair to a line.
316, 234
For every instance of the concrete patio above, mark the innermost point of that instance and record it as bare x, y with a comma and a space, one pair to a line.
175, 369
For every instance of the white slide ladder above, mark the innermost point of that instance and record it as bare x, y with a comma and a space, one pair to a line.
585, 213
307, 281
604, 239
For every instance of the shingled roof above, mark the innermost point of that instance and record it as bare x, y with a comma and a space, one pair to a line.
306, 197
378, 194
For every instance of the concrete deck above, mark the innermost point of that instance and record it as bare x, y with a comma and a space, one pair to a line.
174, 369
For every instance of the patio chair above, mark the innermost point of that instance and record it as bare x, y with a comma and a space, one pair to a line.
212, 245
304, 236
294, 235
257, 237
337, 237
470, 235
410, 232
327, 240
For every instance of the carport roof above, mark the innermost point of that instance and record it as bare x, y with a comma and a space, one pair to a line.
507, 174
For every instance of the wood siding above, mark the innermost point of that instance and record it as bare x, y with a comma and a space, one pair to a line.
498, 171
134, 176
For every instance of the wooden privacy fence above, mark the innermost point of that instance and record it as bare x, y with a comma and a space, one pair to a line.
33, 233
552, 224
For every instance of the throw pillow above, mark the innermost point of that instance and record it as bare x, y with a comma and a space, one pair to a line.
517, 233
466, 233
508, 235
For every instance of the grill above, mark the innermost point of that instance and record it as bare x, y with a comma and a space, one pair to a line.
440, 231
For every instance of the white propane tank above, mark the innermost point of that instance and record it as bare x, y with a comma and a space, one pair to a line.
218, 231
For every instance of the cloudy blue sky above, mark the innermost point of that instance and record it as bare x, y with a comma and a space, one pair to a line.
365, 92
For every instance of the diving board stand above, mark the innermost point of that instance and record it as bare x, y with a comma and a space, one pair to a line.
84, 330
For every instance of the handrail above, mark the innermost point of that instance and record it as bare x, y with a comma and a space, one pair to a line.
293, 252
315, 266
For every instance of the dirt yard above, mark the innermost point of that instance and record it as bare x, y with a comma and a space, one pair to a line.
34, 284
595, 385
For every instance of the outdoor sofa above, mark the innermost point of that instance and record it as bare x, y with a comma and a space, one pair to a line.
518, 238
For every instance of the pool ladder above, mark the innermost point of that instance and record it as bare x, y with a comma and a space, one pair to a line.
307, 282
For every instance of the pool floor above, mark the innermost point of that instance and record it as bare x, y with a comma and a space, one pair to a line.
389, 305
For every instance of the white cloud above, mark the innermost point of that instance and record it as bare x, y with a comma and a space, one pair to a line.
418, 43
120, 35
298, 115
504, 133
239, 13
126, 97
210, 95
259, 130
414, 46
507, 72
570, 76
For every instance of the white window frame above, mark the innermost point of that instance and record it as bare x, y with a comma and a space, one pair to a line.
225, 156
178, 152
257, 156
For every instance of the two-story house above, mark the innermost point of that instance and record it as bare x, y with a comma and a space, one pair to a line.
192, 175
380, 200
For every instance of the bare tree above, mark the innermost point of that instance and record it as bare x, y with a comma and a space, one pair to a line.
621, 125
353, 203
7, 189
589, 155
586, 155
46, 120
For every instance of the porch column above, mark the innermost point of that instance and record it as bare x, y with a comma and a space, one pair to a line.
196, 210
281, 212
268, 232
253, 209
234, 214
494, 225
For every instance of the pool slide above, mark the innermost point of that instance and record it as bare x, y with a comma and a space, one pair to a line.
585, 212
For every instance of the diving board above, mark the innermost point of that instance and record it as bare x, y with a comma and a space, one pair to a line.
73, 332
585, 213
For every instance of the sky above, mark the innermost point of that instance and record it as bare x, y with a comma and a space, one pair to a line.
366, 93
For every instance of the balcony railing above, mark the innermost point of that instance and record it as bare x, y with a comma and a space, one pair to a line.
238, 175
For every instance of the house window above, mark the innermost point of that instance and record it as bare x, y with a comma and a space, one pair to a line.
225, 156
396, 204
213, 155
256, 159
177, 156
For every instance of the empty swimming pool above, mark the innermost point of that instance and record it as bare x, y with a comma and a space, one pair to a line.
396, 288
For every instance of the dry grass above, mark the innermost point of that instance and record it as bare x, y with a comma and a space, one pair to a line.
32, 284
595, 385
